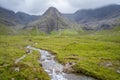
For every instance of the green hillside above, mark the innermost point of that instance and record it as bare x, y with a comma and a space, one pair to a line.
96, 54
12, 48
4, 30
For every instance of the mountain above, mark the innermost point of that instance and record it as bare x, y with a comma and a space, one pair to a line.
99, 18
51, 20
23, 18
10, 18
7, 17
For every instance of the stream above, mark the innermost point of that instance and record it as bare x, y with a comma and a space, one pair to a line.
55, 69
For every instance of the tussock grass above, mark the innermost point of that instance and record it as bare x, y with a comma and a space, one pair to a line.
13, 47
96, 54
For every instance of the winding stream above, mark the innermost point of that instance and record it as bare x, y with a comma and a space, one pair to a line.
54, 69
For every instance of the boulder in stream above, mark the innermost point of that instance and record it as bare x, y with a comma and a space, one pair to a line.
68, 67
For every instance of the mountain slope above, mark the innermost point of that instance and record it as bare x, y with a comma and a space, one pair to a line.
5, 30
10, 18
23, 18
51, 20
100, 18
106, 12
7, 17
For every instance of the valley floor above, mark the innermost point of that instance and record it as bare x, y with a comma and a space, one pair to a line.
96, 56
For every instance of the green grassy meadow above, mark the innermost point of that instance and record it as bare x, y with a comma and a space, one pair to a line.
96, 54
13, 47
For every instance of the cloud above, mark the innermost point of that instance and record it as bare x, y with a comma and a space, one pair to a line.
85, 4
28, 6
13, 4
64, 6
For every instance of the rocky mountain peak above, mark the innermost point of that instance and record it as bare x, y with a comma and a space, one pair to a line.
51, 20
52, 11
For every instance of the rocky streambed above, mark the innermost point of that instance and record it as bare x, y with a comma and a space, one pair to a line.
55, 69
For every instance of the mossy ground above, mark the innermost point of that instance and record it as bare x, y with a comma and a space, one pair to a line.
96, 54
13, 47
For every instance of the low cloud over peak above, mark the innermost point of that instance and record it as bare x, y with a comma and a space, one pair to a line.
65, 6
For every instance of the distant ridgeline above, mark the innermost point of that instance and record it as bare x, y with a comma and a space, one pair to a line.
53, 21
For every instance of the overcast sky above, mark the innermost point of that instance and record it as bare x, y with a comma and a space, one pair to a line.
65, 6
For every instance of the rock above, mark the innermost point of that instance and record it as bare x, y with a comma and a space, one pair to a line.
40, 65
5, 64
30, 40
36, 43
118, 71
12, 78
36, 78
49, 58
42, 59
17, 69
68, 67
74, 55
106, 64
28, 51
58, 71
48, 55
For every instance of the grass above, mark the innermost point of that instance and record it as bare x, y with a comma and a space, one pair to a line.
13, 47
5, 30
96, 54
